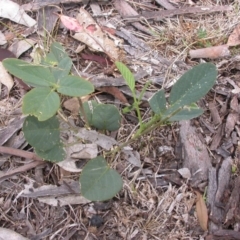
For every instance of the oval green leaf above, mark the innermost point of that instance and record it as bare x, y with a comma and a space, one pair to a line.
89, 107
58, 60
43, 135
42, 103
127, 75
193, 85
158, 102
187, 113
62, 69
58, 51
55, 154
74, 86
34, 75
106, 117
98, 181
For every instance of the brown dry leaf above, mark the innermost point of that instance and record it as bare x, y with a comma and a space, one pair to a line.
3, 39
202, 213
115, 92
210, 52
5, 78
19, 47
234, 38
72, 104
88, 32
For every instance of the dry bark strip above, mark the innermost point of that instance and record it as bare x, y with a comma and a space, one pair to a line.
128, 13
218, 182
159, 15
37, 4
224, 235
166, 4
195, 153
214, 113
233, 205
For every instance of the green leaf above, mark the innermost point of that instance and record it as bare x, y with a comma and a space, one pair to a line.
34, 75
193, 85
98, 181
127, 75
158, 102
74, 86
187, 113
55, 154
58, 60
106, 117
43, 103
89, 107
62, 69
42, 135
58, 51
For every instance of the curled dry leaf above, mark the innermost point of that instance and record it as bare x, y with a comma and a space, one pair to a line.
115, 92
202, 213
2, 39
234, 38
5, 78
71, 23
14, 12
19, 47
88, 32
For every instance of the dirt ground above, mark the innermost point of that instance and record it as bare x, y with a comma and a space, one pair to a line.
43, 201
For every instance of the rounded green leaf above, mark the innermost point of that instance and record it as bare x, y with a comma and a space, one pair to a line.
42, 135
58, 51
62, 69
74, 86
34, 75
98, 181
55, 154
89, 107
193, 85
42, 103
106, 117
158, 102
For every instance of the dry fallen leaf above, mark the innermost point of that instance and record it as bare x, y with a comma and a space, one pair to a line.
202, 213
2, 39
5, 78
234, 38
12, 11
19, 47
73, 105
71, 23
88, 32
115, 92
101, 60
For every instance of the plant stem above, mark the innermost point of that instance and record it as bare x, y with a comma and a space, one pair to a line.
136, 106
154, 123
